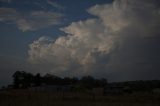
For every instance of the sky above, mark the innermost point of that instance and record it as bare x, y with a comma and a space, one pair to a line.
115, 39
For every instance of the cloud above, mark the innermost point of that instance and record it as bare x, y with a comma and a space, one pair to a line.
8, 14
78, 50
38, 20
114, 44
30, 21
55, 5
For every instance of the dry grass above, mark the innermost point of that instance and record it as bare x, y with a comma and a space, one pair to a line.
26, 98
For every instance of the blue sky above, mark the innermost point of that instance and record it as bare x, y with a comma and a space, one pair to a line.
15, 42
114, 39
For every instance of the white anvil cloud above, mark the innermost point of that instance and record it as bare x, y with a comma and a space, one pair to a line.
91, 45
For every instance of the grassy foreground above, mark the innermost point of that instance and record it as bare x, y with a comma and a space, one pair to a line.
26, 98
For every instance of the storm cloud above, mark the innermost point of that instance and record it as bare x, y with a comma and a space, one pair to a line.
121, 43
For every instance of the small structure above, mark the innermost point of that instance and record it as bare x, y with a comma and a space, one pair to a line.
98, 91
156, 91
52, 88
113, 90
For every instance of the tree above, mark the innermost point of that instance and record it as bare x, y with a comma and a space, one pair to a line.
17, 79
87, 81
27, 79
22, 79
75, 80
67, 81
38, 79
50, 79
100, 82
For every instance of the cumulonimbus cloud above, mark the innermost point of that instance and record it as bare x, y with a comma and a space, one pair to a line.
92, 46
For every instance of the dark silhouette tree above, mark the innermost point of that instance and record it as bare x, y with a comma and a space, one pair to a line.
87, 81
38, 79
75, 80
100, 82
52, 80
17, 79
67, 81
27, 79
22, 79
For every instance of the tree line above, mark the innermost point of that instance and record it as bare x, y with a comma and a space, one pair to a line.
22, 79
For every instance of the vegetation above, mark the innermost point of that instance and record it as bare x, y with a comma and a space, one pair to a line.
19, 95
22, 79
28, 98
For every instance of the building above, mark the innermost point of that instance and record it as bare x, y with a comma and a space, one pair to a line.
98, 91
113, 90
52, 88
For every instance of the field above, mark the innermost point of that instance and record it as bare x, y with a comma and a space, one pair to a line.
28, 98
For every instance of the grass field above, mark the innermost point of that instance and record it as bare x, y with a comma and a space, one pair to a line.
26, 98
